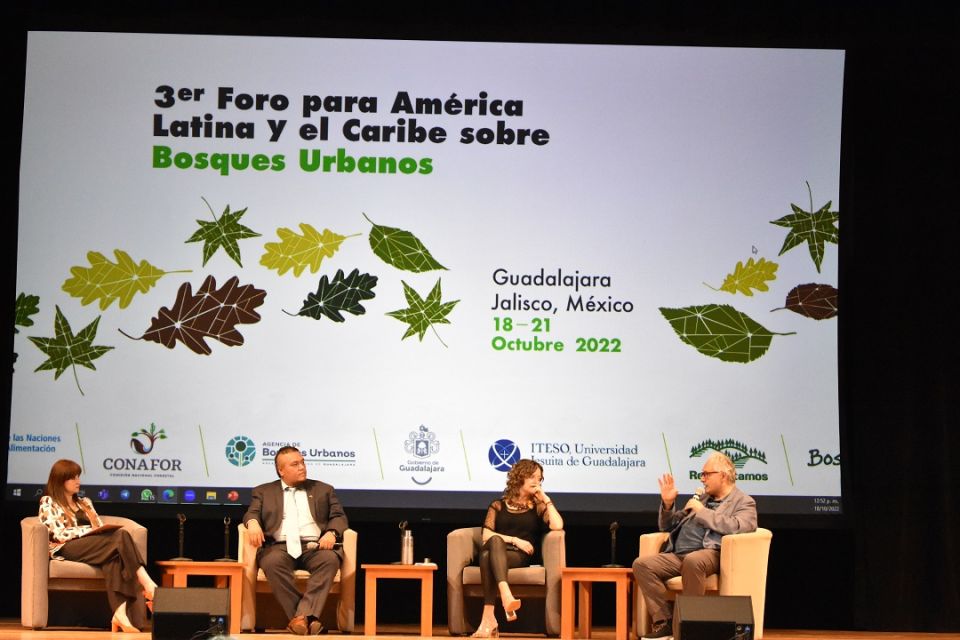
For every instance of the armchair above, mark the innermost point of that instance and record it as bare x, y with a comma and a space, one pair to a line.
342, 595
463, 580
743, 572
40, 574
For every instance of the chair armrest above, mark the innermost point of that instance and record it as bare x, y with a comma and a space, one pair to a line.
462, 547
247, 556
651, 543
743, 562
554, 560
346, 611
35, 573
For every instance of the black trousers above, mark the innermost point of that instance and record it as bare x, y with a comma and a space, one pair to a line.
117, 556
496, 557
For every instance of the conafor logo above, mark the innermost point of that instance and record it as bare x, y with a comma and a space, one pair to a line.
143, 441
737, 451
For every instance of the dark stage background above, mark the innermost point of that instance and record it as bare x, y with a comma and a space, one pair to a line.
891, 563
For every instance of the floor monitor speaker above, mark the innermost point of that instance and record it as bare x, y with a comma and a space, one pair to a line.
190, 613
713, 618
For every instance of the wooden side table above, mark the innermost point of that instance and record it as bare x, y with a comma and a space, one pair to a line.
421, 572
226, 574
586, 576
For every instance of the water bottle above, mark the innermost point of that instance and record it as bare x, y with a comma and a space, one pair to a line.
406, 547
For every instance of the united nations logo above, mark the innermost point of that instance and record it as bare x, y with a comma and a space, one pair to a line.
503, 454
422, 443
241, 451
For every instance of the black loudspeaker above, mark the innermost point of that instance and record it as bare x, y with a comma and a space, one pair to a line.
190, 613
713, 618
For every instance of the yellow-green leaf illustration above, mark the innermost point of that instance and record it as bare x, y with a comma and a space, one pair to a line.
68, 350
297, 252
720, 331
423, 314
107, 281
753, 275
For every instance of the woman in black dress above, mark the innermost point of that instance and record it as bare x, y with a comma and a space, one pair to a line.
512, 531
78, 534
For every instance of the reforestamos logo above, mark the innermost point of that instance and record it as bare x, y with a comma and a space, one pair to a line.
240, 451
737, 451
503, 454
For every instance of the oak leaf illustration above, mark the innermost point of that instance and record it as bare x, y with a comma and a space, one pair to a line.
753, 275
210, 313
401, 248
107, 281
67, 349
720, 331
26, 306
222, 232
813, 227
817, 301
423, 313
297, 252
340, 294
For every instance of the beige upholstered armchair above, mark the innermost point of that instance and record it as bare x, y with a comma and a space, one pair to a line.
743, 572
41, 575
259, 610
463, 580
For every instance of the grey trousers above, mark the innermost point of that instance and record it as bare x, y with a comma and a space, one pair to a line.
653, 571
278, 566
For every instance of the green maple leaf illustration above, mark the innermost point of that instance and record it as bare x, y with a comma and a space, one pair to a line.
423, 314
297, 252
340, 294
720, 331
69, 350
753, 275
222, 232
813, 227
401, 248
27, 305
107, 281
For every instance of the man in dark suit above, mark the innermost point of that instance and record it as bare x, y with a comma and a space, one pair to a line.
297, 523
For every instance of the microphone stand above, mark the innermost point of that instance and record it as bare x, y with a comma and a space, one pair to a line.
181, 518
226, 542
613, 547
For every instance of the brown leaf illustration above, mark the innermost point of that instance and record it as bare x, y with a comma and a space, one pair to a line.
211, 313
817, 301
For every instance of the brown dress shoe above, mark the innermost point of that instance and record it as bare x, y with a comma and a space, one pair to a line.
298, 626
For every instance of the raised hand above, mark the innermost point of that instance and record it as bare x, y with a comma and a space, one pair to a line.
668, 490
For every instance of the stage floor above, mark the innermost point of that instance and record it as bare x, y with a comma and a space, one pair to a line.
11, 630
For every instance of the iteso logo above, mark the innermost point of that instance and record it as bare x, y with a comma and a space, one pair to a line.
503, 454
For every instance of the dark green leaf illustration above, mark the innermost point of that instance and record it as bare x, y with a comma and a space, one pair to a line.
720, 331
27, 305
401, 248
222, 232
813, 227
423, 314
68, 350
210, 313
817, 301
340, 294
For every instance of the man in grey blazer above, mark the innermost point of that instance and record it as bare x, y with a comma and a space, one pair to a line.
693, 549
297, 523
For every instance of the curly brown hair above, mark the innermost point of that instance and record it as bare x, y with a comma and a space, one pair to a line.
518, 474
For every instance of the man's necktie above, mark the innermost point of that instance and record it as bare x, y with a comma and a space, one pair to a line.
291, 523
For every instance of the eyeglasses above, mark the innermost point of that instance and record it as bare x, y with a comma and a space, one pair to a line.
704, 474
